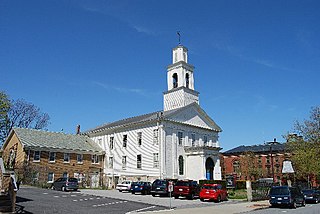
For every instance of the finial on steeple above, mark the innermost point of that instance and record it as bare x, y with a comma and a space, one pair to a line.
179, 37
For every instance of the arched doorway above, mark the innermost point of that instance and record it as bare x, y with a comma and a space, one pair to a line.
209, 168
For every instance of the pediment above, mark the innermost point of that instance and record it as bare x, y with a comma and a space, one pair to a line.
193, 115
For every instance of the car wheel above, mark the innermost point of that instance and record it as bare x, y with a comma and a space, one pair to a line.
132, 192
63, 188
176, 196
201, 199
120, 190
294, 205
191, 197
303, 203
219, 199
53, 188
153, 195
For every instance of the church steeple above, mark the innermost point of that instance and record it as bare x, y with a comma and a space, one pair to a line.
180, 81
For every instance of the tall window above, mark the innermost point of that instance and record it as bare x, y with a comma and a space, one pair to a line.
139, 161
124, 140
36, 156
66, 157
205, 140
175, 80
95, 159
79, 158
139, 138
181, 165
155, 136
236, 166
187, 80
124, 162
65, 175
50, 177
52, 156
110, 162
111, 143
180, 138
155, 160
193, 139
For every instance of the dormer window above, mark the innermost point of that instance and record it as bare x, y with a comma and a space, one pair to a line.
175, 80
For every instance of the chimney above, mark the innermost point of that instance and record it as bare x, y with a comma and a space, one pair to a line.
78, 129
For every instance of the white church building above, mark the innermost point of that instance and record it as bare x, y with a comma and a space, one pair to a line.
180, 142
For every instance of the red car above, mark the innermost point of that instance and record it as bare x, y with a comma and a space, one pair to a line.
213, 192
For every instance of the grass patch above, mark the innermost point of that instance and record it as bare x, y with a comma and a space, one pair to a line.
237, 194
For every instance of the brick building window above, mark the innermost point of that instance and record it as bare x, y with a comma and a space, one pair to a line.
236, 166
66, 158
79, 158
50, 177
36, 156
52, 157
95, 159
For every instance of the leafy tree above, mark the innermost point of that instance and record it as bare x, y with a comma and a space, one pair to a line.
249, 166
305, 146
24, 115
4, 108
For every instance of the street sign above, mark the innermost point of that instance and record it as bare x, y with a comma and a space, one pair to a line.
170, 187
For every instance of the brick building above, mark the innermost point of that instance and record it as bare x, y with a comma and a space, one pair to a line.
41, 157
254, 162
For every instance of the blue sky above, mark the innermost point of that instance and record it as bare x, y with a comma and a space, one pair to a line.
90, 62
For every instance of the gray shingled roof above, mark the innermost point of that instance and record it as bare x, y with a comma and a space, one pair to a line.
263, 148
143, 118
32, 138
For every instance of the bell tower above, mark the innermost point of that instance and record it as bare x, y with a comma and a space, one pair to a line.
180, 81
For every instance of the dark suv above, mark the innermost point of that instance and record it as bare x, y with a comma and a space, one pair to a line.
65, 184
160, 187
286, 196
186, 188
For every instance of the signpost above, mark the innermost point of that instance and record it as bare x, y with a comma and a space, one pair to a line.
170, 189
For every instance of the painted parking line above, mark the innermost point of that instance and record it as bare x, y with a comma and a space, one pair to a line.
108, 204
142, 209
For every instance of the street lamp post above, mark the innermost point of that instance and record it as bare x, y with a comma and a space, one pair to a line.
272, 167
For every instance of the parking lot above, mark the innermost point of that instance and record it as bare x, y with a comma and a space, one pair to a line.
161, 201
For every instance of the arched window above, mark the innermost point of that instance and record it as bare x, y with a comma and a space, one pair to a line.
187, 80
181, 165
175, 80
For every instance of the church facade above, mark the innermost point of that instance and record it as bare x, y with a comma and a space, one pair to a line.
179, 142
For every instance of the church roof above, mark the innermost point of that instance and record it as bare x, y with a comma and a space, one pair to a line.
32, 138
158, 115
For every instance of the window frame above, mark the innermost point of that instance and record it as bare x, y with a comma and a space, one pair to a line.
110, 163
180, 138
66, 154
54, 157
156, 160
52, 180
155, 136
80, 162
111, 142
139, 138
34, 155
139, 161
124, 140
124, 162
95, 159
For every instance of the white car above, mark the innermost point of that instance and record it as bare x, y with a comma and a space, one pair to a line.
124, 186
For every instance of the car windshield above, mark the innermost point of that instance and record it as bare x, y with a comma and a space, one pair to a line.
73, 180
182, 183
209, 187
279, 191
160, 183
308, 191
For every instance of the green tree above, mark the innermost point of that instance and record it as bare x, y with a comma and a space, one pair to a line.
305, 146
19, 113
4, 108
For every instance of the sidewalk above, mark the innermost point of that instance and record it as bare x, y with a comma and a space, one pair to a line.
240, 207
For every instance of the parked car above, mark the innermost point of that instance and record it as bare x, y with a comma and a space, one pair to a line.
124, 186
143, 187
65, 184
311, 195
213, 192
186, 188
286, 196
161, 187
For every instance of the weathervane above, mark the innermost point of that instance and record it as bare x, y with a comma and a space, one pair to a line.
179, 36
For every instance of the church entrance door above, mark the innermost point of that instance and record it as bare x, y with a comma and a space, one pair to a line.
209, 168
